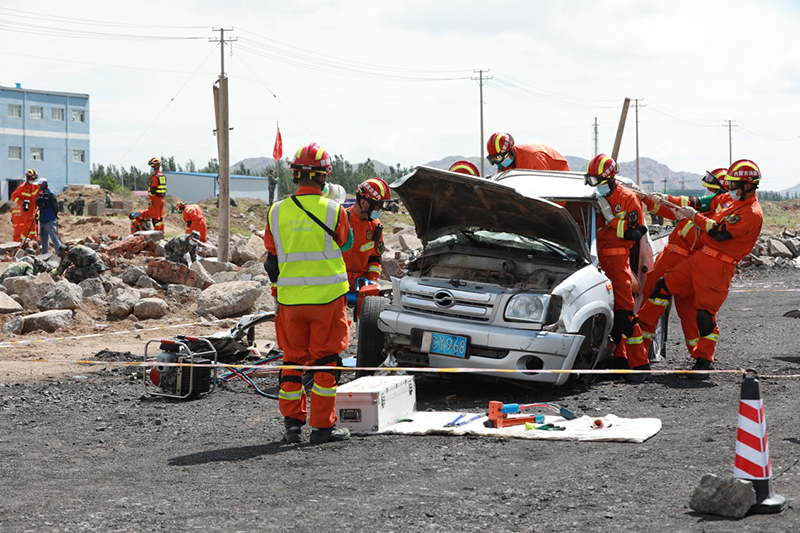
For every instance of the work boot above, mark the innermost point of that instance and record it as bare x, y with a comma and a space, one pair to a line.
638, 378
701, 364
331, 434
294, 429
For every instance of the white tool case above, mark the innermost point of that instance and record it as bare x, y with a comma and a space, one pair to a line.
372, 403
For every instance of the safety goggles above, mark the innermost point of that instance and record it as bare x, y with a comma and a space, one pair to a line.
710, 180
593, 180
499, 158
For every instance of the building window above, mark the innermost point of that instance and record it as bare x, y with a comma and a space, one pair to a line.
37, 154
15, 110
78, 156
15, 152
77, 115
58, 114
37, 112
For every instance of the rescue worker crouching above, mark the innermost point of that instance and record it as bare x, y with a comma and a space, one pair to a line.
140, 221
363, 259
85, 263
305, 236
26, 266
194, 218
618, 229
506, 155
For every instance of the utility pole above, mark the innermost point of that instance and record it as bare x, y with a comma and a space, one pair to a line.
481, 79
223, 148
730, 142
665, 185
595, 136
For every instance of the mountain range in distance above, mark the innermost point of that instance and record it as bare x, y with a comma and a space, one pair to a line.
653, 176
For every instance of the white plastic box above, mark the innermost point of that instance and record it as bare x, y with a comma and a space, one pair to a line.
372, 403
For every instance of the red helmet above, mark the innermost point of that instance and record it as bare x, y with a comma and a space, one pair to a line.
374, 189
601, 169
154, 162
312, 158
465, 167
499, 147
744, 171
715, 179
31, 174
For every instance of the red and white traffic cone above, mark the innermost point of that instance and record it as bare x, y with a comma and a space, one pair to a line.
752, 448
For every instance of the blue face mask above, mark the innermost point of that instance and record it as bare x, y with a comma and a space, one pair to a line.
603, 189
506, 163
375, 215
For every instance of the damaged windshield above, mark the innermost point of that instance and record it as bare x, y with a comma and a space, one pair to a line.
505, 241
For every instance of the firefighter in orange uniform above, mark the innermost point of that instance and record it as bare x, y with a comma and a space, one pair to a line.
727, 236
139, 220
194, 218
157, 191
305, 236
465, 167
23, 212
505, 155
618, 229
683, 241
363, 260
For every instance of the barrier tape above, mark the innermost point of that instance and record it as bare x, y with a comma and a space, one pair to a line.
8, 344
274, 369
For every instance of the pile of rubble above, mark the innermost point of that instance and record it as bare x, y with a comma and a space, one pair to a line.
208, 288
775, 251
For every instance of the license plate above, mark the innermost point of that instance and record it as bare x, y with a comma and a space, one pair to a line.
440, 343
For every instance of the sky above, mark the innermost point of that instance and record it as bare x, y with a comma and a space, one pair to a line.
398, 82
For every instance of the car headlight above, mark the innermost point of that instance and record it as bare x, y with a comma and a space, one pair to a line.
527, 307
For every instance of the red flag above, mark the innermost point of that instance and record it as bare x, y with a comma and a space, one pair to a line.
277, 152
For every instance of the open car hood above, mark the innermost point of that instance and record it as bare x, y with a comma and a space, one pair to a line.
442, 202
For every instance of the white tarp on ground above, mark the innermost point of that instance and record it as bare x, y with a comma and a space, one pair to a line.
581, 429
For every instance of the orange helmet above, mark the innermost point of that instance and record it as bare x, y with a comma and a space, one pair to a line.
154, 162
375, 190
180, 206
601, 169
715, 179
31, 174
744, 171
311, 158
465, 167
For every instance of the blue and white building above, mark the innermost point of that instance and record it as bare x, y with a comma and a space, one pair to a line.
46, 131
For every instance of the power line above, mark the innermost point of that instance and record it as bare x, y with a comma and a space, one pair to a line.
62, 19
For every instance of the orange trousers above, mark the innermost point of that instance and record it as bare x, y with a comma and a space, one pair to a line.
653, 308
618, 270
25, 226
705, 280
156, 210
199, 225
307, 333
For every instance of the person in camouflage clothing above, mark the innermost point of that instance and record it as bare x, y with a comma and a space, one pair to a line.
84, 261
76, 206
179, 246
26, 266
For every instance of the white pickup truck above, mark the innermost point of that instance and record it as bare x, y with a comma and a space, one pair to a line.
508, 278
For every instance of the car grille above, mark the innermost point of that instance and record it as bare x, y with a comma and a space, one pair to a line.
453, 303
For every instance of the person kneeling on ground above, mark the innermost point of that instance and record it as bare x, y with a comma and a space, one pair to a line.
84, 261
177, 248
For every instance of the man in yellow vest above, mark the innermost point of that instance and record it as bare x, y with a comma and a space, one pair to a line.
156, 193
305, 236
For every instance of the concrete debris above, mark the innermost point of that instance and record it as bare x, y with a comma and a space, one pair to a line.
182, 293
122, 301
149, 293
724, 496
48, 321
92, 287
148, 308
146, 282
8, 304
777, 248
230, 298
62, 295
132, 274
166, 271
212, 266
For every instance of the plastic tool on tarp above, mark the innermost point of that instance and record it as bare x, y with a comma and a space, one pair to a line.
498, 414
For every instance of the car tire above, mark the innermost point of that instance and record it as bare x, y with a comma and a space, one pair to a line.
658, 348
369, 339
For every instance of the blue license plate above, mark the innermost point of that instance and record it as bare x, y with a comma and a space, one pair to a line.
440, 343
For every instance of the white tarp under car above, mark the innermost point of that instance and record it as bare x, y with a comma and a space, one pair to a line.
506, 280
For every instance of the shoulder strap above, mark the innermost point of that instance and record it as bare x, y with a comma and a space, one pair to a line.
328, 230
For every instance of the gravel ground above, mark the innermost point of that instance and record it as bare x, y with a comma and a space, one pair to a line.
94, 453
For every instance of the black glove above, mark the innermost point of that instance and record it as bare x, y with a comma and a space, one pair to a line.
271, 266
188, 223
634, 233
26, 204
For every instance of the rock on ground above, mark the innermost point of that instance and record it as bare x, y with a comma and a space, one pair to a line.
148, 308
63, 295
229, 298
724, 496
8, 304
122, 301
